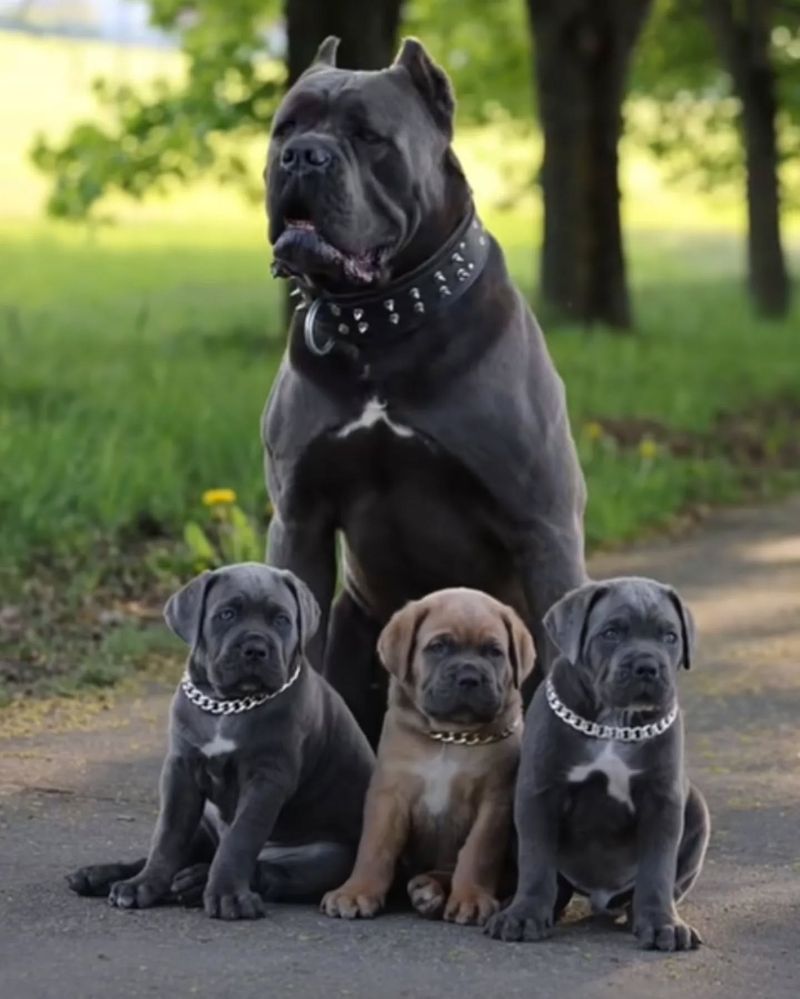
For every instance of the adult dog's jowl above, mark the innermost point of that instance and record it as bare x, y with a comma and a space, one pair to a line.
417, 411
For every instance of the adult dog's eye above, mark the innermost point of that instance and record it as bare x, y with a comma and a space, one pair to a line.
282, 621
227, 614
611, 634
282, 129
670, 637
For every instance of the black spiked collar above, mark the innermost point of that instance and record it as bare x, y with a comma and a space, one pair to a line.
357, 320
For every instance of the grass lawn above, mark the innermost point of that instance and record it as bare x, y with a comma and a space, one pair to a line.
135, 360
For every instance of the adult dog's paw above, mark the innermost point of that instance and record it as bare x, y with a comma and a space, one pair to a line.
353, 901
136, 893
427, 896
668, 933
470, 905
521, 921
232, 903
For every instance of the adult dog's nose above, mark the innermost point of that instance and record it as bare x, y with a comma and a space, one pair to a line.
254, 650
303, 156
645, 669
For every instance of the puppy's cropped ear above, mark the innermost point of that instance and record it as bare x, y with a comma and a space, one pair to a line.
431, 81
326, 53
397, 642
184, 610
308, 612
565, 622
688, 631
520, 646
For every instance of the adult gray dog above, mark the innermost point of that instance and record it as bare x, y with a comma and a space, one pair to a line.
603, 804
264, 781
417, 411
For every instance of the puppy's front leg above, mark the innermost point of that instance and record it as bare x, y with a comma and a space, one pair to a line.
179, 815
530, 915
228, 894
386, 825
656, 922
480, 863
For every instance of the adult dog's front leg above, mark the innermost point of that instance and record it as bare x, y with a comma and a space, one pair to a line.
178, 818
228, 893
656, 922
308, 550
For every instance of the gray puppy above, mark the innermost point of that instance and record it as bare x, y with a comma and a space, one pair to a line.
266, 770
603, 804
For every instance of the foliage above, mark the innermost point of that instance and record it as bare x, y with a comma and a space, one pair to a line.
228, 535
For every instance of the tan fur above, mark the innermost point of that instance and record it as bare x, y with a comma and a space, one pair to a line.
446, 809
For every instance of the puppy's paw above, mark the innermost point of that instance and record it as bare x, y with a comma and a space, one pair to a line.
232, 903
668, 933
470, 905
353, 900
96, 879
521, 921
189, 884
136, 893
427, 896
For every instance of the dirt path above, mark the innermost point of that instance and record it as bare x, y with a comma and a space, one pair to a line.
70, 798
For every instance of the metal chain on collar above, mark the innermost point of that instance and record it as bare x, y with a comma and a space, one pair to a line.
236, 705
473, 738
622, 733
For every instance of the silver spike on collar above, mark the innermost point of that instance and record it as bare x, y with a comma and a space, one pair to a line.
620, 733
234, 705
474, 738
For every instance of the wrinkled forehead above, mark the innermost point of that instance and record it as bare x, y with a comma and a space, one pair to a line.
361, 95
636, 602
467, 618
254, 585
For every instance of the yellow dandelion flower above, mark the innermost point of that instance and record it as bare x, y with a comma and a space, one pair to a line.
594, 430
648, 448
216, 497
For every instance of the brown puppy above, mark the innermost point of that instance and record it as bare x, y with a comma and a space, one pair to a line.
441, 795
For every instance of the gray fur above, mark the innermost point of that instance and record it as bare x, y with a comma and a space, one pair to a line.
262, 804
627, 828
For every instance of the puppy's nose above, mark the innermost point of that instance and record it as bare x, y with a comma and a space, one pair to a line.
469, 678
305, 156
645, 669
254, 651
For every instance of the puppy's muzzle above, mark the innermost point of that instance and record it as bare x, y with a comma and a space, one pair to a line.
251, 664
462, 690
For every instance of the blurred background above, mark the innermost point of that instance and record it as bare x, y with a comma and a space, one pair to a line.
638, 161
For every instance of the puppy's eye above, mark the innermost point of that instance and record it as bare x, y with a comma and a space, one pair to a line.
437, 645
282, 621
611, 634
491, 649
670, 637
367, 135
227, 614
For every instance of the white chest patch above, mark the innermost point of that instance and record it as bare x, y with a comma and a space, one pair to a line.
218, 746
617, 772
437, 776
374, 412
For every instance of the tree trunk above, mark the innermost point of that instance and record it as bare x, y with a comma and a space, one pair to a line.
583, 49
367, 28
742, 32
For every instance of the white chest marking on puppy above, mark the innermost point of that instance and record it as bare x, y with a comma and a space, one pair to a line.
617, 772
218, 746
374, 412
437, 775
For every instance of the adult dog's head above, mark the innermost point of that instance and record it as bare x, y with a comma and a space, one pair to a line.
245, 624
628, 637
361, 181
458, 655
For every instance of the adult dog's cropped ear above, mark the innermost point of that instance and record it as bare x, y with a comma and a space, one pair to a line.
688, 631
431, 81
520, 647
308, 612
397, 643
326, 53
183, 612
565, 622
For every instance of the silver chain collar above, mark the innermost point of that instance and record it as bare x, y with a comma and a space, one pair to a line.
235, 705
473, 738
621, 733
